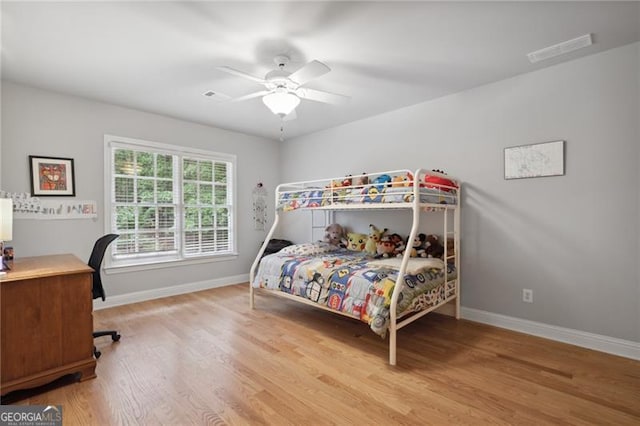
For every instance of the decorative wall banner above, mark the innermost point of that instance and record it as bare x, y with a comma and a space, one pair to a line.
259, 198
27, 207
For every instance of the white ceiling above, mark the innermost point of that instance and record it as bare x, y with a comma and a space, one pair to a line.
161, 56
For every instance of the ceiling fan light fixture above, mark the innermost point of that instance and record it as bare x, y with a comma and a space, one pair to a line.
281, 103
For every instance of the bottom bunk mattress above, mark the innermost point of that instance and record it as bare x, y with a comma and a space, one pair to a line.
355, 283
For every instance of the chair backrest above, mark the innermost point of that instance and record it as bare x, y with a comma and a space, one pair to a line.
95, 261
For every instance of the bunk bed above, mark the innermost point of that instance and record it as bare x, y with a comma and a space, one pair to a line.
386, 293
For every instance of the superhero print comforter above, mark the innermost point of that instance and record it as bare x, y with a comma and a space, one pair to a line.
352, 282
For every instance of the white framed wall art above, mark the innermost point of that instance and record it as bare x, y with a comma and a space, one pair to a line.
534, 160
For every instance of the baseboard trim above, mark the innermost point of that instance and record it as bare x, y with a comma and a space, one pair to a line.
142, 296
611, 345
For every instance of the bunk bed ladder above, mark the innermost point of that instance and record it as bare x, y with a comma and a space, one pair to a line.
455, 233
320, 219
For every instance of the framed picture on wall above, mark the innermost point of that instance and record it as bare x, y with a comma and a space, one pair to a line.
52, 176
535, 160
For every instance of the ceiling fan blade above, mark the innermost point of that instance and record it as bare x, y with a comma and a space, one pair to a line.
291, 116
321, 96
313, 69
242, 74
250, 96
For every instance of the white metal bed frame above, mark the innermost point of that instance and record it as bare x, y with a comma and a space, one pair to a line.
417, 207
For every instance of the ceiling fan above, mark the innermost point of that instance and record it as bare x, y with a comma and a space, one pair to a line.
283, 90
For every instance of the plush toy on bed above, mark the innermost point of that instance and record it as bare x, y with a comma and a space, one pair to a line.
398, 245
382, 182
334, 234
361, 181
385, 247
435, 181
433, 247
402, 180
417, 246
373, 238
356, 241
339, 189
371, 194
397, 181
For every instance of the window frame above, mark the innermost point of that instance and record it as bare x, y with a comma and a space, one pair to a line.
155, 260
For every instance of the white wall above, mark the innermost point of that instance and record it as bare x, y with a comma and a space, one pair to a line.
45, 123
572, 239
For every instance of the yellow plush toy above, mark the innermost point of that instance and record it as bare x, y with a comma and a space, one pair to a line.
356, 241
373, 239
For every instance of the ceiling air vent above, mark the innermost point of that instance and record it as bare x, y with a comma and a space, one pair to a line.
560, 48
216, 95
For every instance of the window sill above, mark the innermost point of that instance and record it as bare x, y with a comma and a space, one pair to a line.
150, 264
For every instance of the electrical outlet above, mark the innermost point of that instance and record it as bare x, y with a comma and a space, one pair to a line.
527, 295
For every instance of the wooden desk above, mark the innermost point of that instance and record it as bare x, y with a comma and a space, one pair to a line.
46, 321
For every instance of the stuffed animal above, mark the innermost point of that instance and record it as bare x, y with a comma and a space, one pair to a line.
402, 180
397, 181
385, 247
340, 189
417, 246
382, 181
373, 238
433, 248
398, 245
356, 241
371, 194
361, 181
334, 234
437, 180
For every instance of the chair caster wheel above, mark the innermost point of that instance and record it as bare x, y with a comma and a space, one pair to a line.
96, 353
116, 337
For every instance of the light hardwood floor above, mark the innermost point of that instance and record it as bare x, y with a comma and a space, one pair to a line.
205, 358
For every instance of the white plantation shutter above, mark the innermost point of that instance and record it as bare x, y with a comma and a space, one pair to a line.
169, 204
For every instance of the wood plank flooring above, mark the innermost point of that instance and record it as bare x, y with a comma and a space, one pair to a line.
206, 359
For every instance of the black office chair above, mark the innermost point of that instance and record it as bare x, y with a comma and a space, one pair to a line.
95, 261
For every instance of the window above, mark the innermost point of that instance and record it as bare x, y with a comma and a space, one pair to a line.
167, 202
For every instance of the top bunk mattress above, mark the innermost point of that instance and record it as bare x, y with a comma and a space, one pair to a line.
394, 188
